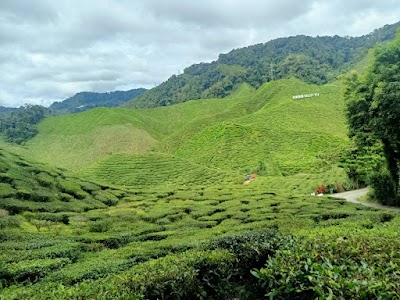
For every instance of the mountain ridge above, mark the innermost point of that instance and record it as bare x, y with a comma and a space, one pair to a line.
316, 60
86, 100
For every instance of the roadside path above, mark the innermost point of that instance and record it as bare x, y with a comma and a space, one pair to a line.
352, 196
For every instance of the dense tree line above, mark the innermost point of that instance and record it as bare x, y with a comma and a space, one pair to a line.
20, 125
316, 60
86, 100
7, 110
374, 115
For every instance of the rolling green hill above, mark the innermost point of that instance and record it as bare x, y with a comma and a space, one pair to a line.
289, 136
78, 140
204, 142
75, 141
35, 187
315, 60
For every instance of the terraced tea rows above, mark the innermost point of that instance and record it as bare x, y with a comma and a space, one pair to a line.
235, 134
152, 170
283, 152
151, 224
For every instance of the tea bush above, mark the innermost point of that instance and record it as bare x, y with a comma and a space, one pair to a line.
334, 267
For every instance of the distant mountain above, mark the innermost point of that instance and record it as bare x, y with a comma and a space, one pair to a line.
18, 125
315, 60
7, 110
86, 100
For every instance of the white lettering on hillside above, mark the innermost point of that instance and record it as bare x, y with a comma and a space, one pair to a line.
306, 96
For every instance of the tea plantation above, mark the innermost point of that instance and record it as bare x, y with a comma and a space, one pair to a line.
151, 204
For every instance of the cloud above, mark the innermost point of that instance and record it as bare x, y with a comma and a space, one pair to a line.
54, 49
231, 14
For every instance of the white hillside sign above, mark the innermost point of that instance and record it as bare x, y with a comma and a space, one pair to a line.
306, 96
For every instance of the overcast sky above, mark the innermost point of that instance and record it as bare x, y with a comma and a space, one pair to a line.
52, 49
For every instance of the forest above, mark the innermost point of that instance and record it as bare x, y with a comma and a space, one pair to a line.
315, 60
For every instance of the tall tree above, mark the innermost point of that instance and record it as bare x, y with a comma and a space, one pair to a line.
374, 104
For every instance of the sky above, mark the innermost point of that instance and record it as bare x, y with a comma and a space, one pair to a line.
51, 50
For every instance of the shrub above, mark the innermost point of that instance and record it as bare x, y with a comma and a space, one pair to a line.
322, 189
94, 247
31, 270
53, 217
190, 275
66, 197
41, 224
3, 213
6, 190
45, 179
89, 187
10, 221
383, 188
72, 188
106, 197
99, 226
251, 249
385, 217
338, 188
334, 267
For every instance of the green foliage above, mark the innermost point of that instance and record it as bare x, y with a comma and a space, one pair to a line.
100, 226
87, 100
20, 126
383, 188
30, 271
250, 247
32, 187
304, 67
360, 162
333, 267
373, 107
10, 221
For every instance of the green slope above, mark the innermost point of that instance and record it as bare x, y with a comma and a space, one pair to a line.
203, 141
152, 170
75, 141
63, 237
35, 187
78, 140
289, 136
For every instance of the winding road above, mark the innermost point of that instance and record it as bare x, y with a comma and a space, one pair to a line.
352, 196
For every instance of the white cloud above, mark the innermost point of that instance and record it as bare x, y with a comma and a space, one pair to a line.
54, 49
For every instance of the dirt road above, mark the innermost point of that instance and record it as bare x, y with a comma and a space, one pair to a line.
352, 196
